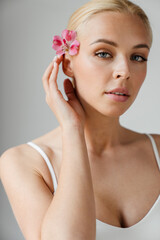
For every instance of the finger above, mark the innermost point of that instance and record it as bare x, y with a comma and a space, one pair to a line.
69, 90
53, 77
50, 74
59, 59
53, 82
46, 76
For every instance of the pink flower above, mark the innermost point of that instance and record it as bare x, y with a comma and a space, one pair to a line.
66, 43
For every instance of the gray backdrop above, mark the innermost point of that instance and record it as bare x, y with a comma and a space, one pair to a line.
26, 31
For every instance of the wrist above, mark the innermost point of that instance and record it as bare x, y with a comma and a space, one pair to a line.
72, 128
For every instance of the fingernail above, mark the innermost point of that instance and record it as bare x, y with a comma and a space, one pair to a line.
54, 64
59, 56
55, 58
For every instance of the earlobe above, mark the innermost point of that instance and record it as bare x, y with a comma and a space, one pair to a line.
66, 66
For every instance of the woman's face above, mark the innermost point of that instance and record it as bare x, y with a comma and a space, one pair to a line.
110, 68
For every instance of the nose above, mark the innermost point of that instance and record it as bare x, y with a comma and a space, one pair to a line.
121, 70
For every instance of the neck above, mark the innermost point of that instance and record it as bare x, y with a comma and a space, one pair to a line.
101, 133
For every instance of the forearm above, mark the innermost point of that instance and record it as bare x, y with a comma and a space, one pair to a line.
71, 214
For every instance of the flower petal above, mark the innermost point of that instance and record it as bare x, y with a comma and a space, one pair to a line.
64, 33
75, 43
66, 43
57, 42
73, 51
74, 48
60, 52
70, 36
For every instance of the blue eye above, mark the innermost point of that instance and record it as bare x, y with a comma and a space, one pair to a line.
102, 54
137, 57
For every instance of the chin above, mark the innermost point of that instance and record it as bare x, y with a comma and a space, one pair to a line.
109, 109
113, 110
112, 114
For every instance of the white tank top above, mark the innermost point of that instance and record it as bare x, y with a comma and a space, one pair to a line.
148, 228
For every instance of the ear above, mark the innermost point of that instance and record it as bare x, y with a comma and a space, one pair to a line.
67, 65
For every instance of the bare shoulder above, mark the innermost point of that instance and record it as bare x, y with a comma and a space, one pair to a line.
133, 136
25, 158
157, 140
140, 140
27, 191
19, 160
21, 155
28, 184
143, 137
13, 157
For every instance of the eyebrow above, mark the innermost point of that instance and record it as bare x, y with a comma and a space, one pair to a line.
142, 45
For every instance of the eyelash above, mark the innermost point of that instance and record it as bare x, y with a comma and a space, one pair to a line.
106, 53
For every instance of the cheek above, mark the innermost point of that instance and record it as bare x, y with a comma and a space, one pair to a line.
89, 80
83, 68
139, 77
89, 73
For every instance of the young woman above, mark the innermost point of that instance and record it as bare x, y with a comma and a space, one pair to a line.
108, 176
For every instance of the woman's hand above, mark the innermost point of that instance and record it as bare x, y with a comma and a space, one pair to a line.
67, 112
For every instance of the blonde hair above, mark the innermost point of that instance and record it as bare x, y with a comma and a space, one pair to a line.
84, 13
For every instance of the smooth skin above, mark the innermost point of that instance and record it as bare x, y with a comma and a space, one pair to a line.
107, 169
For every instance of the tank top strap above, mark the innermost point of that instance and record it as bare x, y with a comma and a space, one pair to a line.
154, 149
45, 157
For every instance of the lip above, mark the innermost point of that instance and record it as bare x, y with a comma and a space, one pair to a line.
120, 90
118, 98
